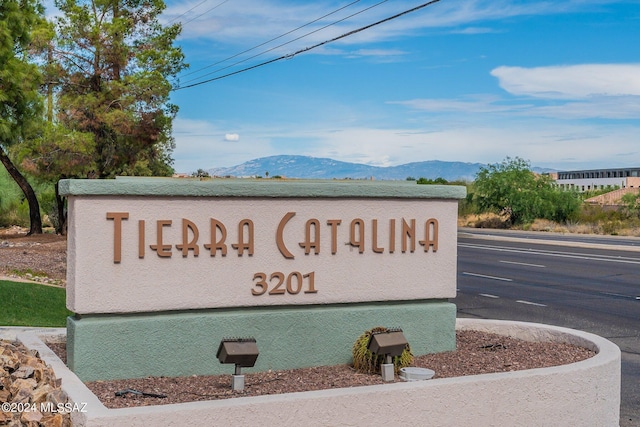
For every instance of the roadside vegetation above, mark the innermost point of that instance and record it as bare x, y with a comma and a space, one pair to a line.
509, 195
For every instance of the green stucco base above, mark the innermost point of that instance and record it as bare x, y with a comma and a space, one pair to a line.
101, 347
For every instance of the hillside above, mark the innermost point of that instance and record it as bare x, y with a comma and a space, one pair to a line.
323, 168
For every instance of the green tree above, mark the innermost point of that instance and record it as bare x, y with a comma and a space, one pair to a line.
57, 153
631, 202
20, 103
200, 173
116, 61
428, 181
107, 65
511, 188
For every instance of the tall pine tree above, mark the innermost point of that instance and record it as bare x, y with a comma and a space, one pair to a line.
20, 103
116, 61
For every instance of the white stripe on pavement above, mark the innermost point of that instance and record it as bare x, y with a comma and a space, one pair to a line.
524, 263
531, 303
504, 279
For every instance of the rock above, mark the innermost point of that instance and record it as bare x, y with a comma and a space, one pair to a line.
26, 379
22, 395
31, 417
40, 393
22, 389
9, 363
22, 372
5, 417
23, 384
57, 396
54, 420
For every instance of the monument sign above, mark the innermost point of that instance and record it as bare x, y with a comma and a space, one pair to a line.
160, 270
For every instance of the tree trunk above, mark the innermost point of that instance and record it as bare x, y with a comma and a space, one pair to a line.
27, 190
61, 225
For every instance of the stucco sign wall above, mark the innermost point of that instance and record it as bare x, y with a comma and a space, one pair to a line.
218, 248
304, 267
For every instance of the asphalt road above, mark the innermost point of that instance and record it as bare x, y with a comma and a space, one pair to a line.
580, 282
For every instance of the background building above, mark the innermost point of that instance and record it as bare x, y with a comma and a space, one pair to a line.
597, 179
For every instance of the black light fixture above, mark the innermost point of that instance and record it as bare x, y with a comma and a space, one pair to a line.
242, 352
388, 343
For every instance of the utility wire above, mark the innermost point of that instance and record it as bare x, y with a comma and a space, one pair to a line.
203, 13
291, 55
290, 41
267, 42
184, 13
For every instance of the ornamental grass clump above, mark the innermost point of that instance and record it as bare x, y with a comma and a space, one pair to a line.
368, 363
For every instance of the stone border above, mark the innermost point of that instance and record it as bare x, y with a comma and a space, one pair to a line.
582, 393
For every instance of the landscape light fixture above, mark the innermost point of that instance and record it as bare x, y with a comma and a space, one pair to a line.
388, 343
242, 352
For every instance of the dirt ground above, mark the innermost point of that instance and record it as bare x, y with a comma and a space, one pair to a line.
41, 257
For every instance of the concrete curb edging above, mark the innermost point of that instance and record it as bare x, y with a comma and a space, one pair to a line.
582, 393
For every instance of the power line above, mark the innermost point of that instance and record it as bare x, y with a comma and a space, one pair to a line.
205, 12
184, 13
291, 55
289, 42
276, 38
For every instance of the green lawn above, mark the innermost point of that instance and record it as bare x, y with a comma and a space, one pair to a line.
29, 304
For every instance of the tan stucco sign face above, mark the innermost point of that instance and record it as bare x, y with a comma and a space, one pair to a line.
135, 254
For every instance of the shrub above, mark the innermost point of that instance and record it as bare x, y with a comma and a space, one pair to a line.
366, 362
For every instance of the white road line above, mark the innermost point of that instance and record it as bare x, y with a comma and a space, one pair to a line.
524, 263
531, 303
607, 258
504, 279
616, 295
489, 296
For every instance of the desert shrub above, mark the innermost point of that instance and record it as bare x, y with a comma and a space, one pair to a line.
493, 221
511, 188
366, 362
429, 181
598, 214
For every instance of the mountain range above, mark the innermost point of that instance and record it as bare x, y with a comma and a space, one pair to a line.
305, 167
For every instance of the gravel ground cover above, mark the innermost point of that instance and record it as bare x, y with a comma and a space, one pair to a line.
476, 353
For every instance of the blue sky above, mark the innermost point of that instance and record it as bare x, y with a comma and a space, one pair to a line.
554, 82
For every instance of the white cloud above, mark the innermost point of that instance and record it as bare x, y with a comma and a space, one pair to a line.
475, 30
471, 104
571, 81
199, 144
597, 145
231, 137
599, 107
377, 52
252, 21
595, 107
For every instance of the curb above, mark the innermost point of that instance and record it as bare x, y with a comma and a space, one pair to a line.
581, 393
